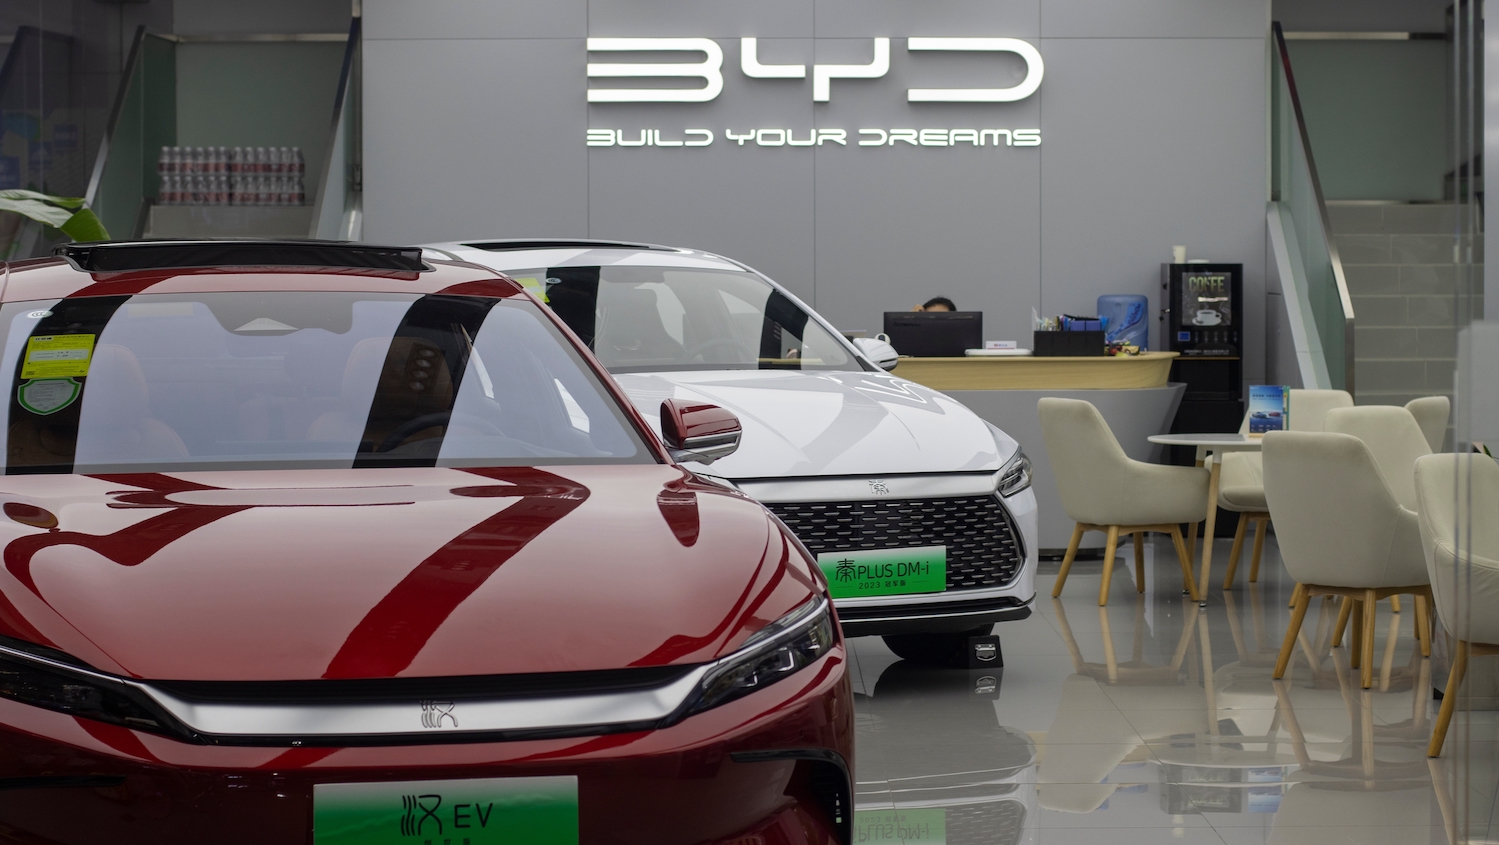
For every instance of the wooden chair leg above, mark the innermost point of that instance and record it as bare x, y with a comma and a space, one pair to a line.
1356, 638
1366, 666
1192, 543
1189, 584
1077, 539
1235, 552
1296, 594
1259, 548
1449, 700
1343, 613
1395, 603
1423, 624
1139, 561
1110, 546
1297, 617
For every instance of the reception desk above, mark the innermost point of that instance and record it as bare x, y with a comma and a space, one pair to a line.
1123, 372
1131, 392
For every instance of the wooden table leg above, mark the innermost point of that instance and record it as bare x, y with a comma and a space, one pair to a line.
1208, 527
1192, 528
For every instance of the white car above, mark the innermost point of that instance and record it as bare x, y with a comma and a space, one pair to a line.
920, 512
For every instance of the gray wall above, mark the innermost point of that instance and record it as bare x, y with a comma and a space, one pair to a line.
1378, 114
259, 94
224, 17
1152, 115
1361, 15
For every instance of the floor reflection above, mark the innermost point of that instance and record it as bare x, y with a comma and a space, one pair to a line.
956, 774
1154, 720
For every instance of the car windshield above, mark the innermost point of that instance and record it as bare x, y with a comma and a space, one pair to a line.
639, 319
173, 382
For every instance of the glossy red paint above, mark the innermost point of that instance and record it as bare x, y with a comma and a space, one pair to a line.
55, 278
683, 421
366, 573
674, 786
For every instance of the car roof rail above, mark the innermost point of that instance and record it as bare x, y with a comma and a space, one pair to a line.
563, 243
124, 256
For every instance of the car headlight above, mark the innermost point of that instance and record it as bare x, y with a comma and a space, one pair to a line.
1015, 476
773, 653
51, 684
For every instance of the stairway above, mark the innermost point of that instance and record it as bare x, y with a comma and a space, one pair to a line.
1398, 262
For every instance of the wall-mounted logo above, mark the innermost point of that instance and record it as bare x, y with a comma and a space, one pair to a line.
710, 70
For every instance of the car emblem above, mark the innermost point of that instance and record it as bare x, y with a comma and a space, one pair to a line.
433, 712
879, 488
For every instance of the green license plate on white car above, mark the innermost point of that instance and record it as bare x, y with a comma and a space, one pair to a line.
885, 572
486, 811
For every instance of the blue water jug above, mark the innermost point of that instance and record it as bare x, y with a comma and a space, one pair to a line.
1125, 316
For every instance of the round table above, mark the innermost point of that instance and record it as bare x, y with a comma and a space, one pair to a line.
1210, 449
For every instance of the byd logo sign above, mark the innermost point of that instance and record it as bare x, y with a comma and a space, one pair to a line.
710, 70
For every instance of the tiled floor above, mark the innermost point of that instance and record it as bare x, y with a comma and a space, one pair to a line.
1100, 728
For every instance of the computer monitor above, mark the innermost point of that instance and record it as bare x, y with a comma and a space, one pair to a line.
935, 334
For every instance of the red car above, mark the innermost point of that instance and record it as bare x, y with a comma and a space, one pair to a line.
323, 543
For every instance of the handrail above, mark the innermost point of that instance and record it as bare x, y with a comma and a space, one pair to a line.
121, 96
331, 154
1345, 300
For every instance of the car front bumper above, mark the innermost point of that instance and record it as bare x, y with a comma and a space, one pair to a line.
948, 611
773, 765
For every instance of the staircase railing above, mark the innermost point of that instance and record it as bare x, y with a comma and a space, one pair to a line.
338, 211
143, 120
1319, 309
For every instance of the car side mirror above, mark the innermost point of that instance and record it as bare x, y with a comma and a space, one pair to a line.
879, 351
694, 431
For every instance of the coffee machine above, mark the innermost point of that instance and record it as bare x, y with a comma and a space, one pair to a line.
1203, 319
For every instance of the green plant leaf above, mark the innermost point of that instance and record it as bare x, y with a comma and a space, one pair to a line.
36, 210
65, 202
66, 213
85, 226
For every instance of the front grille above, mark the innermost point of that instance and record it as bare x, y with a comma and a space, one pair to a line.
983, 547
999, 823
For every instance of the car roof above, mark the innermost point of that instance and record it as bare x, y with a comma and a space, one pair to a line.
212, 266
527, 253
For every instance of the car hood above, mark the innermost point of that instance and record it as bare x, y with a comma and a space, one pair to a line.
374, 573
830, 423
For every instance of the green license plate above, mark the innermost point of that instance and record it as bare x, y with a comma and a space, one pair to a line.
536, 811
885, 572
888, 827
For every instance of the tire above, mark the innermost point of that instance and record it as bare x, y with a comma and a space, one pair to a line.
945, 649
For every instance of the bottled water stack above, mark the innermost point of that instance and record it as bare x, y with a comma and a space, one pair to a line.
231, 176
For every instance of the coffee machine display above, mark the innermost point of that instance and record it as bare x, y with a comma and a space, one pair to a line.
1204, 309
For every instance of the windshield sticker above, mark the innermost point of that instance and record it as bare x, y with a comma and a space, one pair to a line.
534, 287
58, 356
48, 395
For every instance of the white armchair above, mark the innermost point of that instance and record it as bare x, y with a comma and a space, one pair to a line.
1432, 412
1103, 489
1342, 532
1468, 612
1241, 481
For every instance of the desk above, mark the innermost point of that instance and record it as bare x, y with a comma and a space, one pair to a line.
1121, 372
1210, 447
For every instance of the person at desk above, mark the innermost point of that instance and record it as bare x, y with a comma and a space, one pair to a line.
936, 303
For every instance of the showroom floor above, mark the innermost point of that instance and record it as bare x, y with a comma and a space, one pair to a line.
1089, 735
